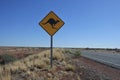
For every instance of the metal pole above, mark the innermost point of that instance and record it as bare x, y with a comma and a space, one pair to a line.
51, 51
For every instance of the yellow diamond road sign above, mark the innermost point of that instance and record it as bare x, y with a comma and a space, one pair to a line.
51, 23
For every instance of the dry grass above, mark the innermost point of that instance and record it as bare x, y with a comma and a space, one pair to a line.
69, 67
5, 74
39, 61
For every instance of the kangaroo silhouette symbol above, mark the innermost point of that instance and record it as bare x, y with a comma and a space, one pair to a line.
52, 22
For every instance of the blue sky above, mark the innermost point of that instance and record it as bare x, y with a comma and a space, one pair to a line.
88, 23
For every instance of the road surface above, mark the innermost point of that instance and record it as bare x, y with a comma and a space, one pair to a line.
111, 59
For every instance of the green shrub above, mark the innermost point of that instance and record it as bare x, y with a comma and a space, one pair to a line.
77, 53
6, 58
68, 51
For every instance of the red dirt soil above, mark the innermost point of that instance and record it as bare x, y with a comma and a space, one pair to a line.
112, 73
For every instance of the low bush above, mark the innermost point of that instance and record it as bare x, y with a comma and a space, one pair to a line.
68, 51
6, 58
77, 53
69, 67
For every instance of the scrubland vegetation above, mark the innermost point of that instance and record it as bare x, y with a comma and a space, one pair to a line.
34, 64
37, 67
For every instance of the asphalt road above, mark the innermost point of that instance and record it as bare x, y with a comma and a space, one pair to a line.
111, 59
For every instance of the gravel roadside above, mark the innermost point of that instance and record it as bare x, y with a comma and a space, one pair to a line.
91, 70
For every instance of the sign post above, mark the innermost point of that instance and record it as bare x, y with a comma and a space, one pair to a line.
51, 24
51, 52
